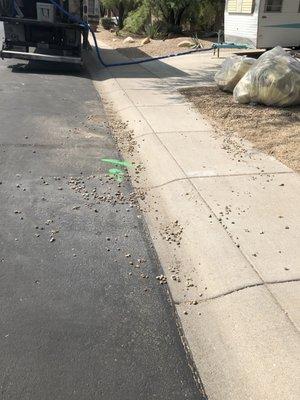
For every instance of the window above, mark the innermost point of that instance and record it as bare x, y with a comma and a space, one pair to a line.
232, 6
273, 5
240, 6
247, 6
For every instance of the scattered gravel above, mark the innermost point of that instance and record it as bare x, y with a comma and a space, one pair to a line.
172, 233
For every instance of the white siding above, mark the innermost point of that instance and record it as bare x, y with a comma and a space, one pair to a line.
242, 28
271, 36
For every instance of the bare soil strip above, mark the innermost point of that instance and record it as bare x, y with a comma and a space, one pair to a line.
275, 131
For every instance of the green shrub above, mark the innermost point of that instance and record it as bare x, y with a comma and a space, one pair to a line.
107, 23
137, 20
209, 16
152, 31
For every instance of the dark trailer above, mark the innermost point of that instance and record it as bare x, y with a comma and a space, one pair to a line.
38, 30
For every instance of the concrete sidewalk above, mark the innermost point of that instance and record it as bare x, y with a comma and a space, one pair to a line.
225, 224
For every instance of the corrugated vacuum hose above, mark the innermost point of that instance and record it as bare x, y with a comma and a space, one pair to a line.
87, 26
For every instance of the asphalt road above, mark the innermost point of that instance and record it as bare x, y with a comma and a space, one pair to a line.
77, 320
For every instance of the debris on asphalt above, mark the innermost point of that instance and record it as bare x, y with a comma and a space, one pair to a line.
162, 279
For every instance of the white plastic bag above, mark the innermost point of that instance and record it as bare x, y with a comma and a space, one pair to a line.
232, 70
274, 80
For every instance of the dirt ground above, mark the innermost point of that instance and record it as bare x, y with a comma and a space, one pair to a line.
275, 131
137, 50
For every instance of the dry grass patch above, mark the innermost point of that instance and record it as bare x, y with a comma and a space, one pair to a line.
275, 131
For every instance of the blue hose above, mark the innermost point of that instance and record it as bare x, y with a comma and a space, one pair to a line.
87, 27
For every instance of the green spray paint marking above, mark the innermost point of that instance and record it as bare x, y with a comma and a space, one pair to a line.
117, 162
115, 172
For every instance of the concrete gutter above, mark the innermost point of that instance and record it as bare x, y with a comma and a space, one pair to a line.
225, 225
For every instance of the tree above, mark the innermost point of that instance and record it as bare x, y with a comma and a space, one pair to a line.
169, 15
209, 15
173, 12
120, 8
101, 9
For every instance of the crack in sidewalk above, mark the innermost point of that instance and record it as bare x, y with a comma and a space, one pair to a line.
221, 176
238, 289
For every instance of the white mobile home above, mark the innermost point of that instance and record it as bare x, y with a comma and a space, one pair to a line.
263, 23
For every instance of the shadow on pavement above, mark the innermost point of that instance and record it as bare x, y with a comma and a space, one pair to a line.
36, 67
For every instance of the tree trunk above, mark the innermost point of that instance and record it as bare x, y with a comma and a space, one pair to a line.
121, 10
171, 18
179, 17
